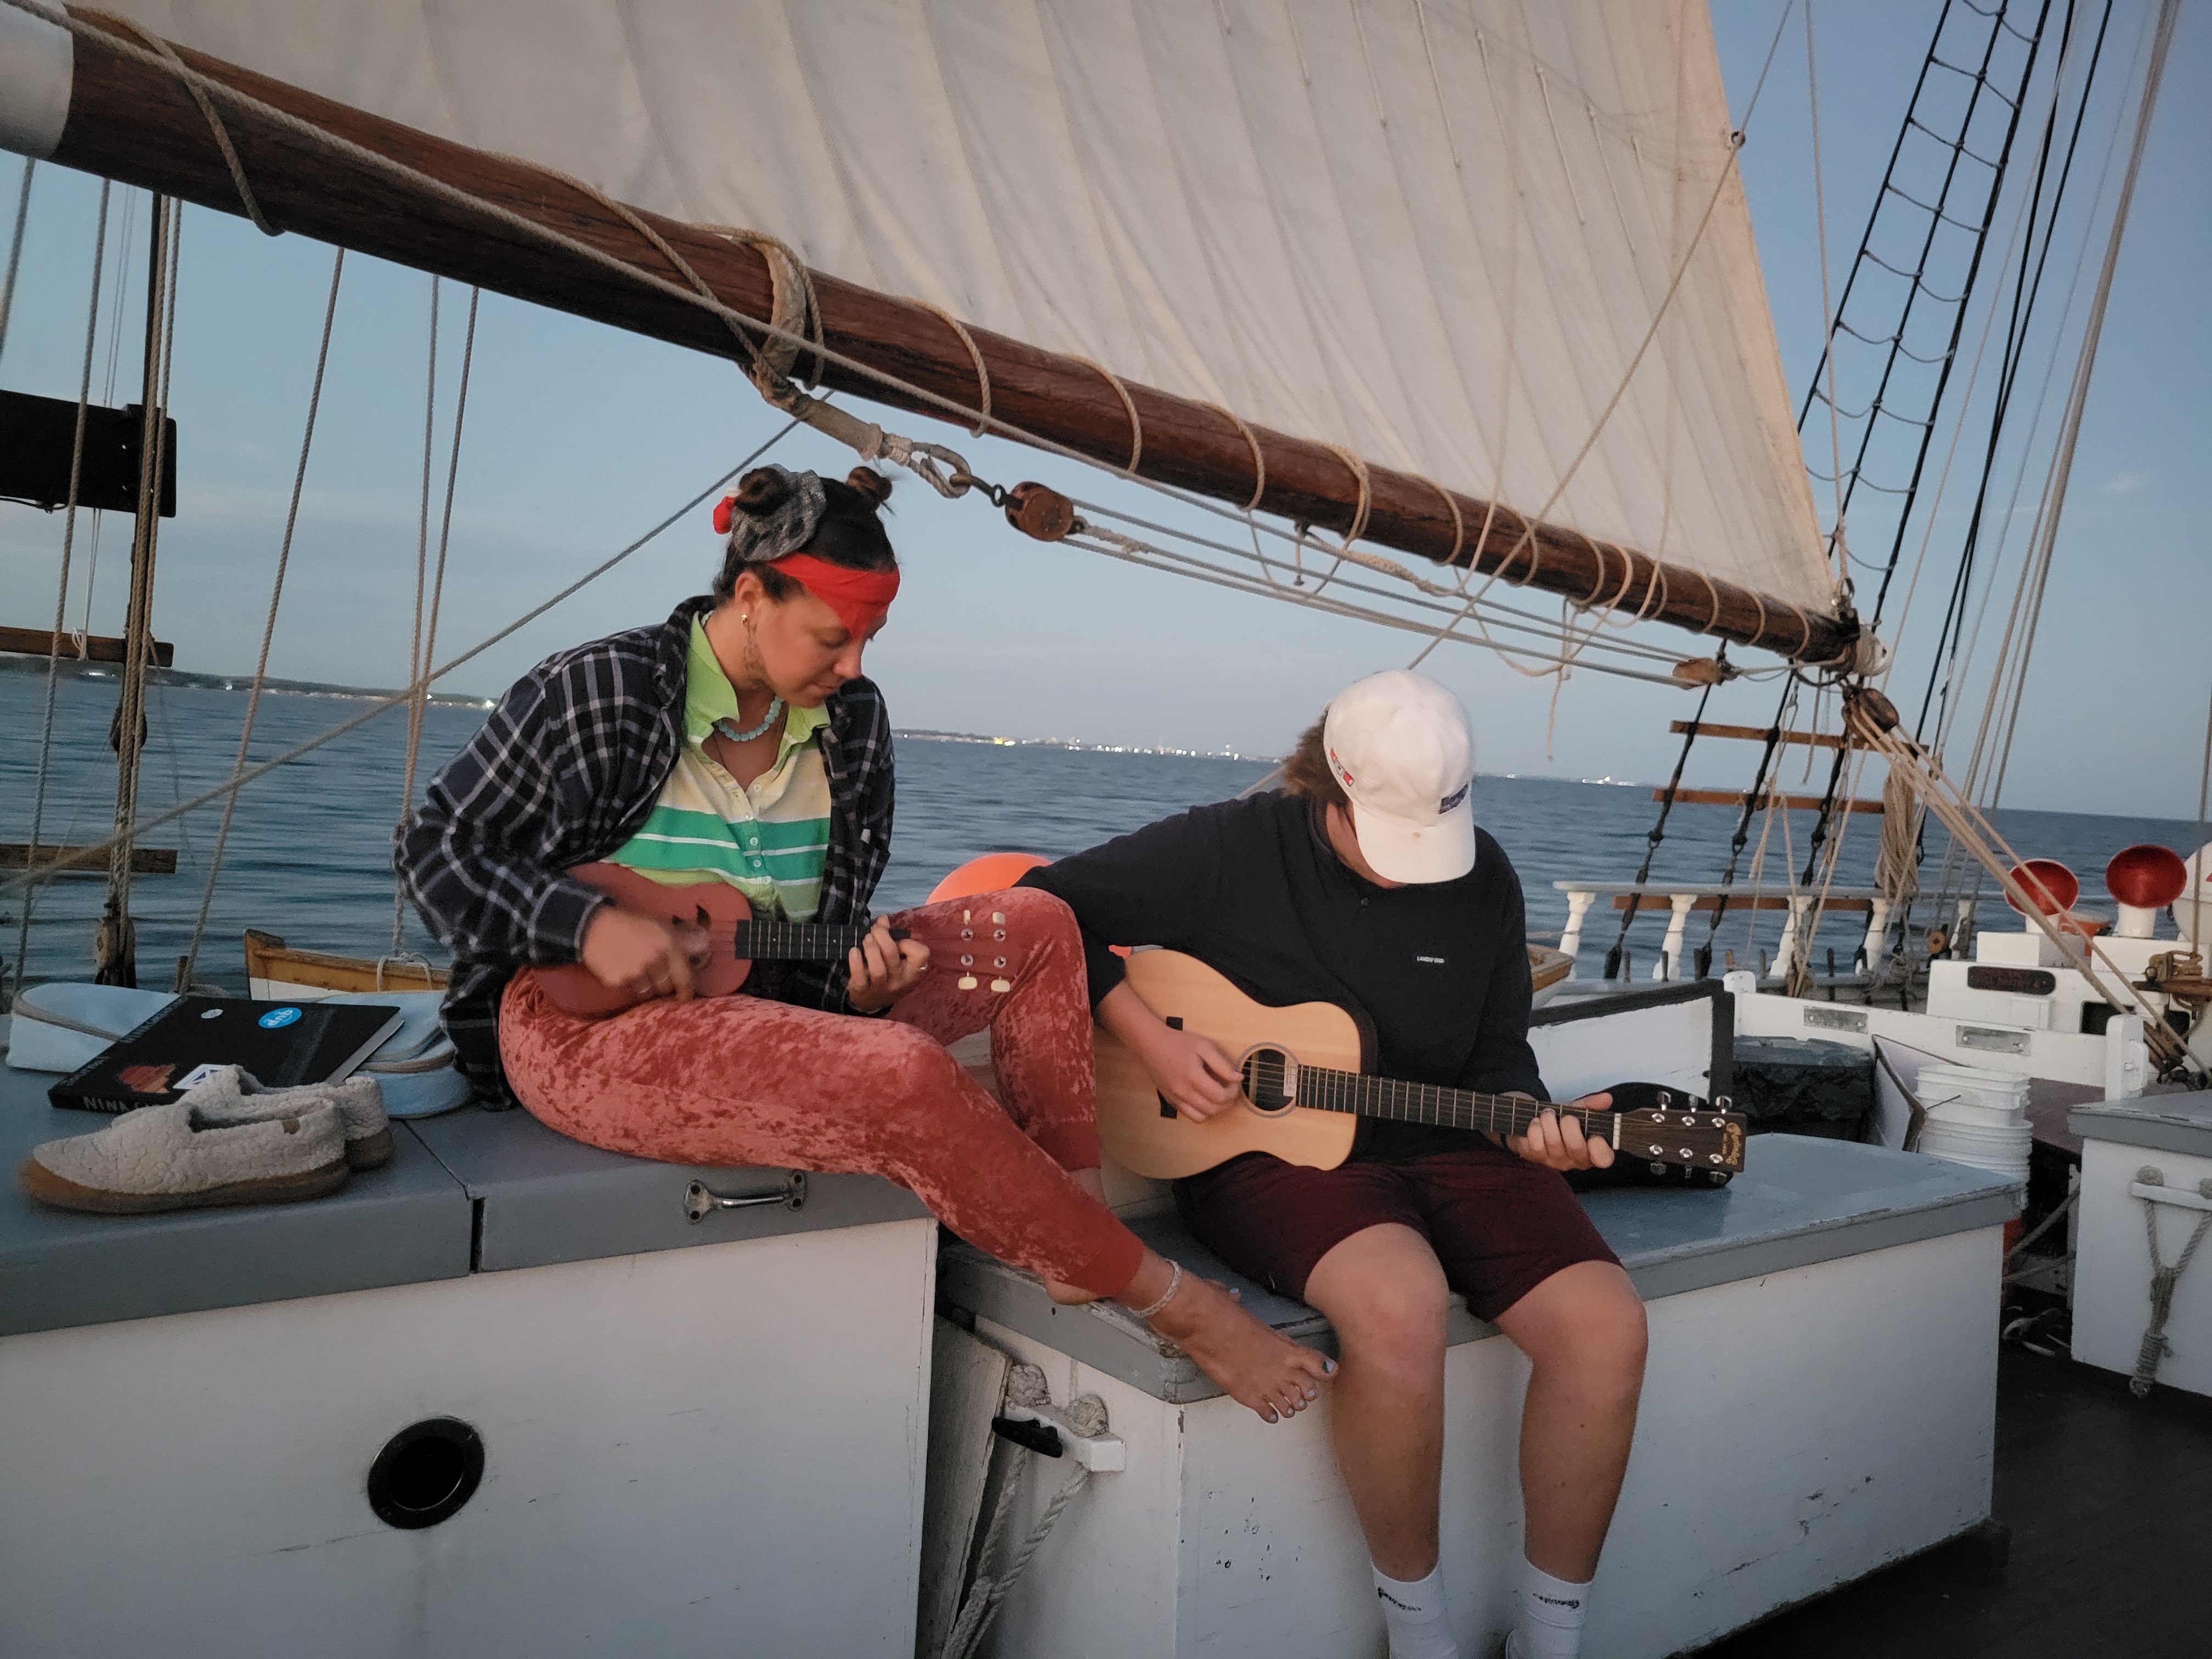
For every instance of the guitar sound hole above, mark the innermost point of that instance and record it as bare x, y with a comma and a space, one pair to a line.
1270, 1080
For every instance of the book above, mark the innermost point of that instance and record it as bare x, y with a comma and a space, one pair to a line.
281, 1043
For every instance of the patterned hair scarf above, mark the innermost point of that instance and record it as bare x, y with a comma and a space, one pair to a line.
756, 539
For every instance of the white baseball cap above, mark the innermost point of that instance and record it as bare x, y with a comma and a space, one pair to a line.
1399, 746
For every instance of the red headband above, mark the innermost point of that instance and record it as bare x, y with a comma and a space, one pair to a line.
860, 598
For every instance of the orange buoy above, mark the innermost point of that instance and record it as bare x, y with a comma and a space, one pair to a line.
993, 872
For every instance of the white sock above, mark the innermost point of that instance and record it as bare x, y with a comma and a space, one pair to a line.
1551, 1612
1415, 1614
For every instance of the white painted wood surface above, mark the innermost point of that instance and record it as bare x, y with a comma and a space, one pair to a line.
2114, 1061
2111, 1263
1670, 1044
1799, 1430
711, 1450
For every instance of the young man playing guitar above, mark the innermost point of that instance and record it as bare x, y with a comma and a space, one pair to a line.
738, 744
1364, 883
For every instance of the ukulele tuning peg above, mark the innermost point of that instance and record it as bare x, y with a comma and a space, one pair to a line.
1002, 984
998, 918
967, 915
967, 982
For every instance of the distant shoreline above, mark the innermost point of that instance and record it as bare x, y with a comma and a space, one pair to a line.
1079, 745
72, 668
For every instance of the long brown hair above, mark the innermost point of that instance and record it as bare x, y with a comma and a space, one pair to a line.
1306, 770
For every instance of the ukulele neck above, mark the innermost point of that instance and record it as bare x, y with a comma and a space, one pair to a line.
762, 941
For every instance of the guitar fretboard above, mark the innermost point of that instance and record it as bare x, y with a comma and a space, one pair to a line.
795, 941
1421, 1103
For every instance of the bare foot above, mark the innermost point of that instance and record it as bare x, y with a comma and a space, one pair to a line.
1270, 1374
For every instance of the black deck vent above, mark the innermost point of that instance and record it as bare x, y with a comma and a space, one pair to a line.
426, 1473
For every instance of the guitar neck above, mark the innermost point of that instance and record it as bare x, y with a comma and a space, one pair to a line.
760, 940
1421, 1103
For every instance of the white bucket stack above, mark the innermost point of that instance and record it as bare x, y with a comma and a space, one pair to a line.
1977, 1117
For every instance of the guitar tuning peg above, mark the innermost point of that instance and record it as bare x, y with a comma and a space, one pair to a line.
967, 982
1002, 984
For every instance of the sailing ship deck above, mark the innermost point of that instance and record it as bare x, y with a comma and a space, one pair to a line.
2105, 1496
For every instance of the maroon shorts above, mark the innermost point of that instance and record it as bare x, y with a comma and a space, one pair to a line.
1500, 1224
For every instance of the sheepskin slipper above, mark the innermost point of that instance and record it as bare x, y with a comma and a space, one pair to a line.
232, 1095
166, 1158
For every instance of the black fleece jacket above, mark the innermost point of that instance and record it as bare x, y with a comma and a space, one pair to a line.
1439, 971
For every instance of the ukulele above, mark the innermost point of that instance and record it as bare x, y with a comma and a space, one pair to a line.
725, 941
1306, 1086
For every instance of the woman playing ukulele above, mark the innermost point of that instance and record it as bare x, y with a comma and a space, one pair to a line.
738, 742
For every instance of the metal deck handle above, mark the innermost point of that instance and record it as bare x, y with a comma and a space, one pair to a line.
701, 1201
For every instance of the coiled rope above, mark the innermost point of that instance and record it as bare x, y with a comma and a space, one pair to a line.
1087, 1415
2155, 1344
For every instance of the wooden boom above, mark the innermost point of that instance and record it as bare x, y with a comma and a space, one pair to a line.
137, 123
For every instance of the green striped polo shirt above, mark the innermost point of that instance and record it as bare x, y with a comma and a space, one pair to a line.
766, 839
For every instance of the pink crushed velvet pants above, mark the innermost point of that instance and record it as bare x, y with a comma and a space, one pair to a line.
739, 1080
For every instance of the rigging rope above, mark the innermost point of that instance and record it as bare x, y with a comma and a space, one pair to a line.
15, 251
194, 85
268, 628
2078, 395
2025, 292
420, 661
1871, 719
115, 941
61, 597
1656, 834
240, 778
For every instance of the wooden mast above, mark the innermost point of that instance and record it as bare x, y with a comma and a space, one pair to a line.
137, 123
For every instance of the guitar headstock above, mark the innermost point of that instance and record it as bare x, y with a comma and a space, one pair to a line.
1684, 1132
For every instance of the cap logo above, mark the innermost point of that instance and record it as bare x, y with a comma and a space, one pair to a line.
1456, 796
1343, 772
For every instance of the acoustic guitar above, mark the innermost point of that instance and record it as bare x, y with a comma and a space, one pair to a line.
725, 941
1307, 1086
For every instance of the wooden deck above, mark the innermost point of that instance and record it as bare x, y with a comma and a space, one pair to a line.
2106, 1496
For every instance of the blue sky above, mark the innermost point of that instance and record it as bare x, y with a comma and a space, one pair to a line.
579, 437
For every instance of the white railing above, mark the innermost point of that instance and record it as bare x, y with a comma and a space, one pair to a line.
1682, 898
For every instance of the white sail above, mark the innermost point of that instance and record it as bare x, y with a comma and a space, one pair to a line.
1437, 232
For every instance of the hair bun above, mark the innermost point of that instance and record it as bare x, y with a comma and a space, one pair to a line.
763, 489
872, 485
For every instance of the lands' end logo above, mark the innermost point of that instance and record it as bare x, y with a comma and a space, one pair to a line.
1455, 797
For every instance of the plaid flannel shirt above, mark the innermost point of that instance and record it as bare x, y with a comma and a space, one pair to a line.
565, 771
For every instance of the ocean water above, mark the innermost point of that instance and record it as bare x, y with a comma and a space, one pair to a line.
308, 856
